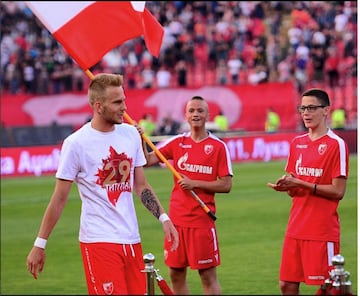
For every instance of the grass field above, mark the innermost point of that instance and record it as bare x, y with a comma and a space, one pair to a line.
250, 220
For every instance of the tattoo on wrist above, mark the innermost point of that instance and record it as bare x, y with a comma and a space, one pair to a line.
149, 201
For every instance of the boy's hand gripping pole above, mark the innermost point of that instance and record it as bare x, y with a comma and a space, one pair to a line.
172, 169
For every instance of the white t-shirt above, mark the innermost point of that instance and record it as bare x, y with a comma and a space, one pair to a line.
102, 165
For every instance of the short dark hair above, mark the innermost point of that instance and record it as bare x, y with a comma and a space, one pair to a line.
201, 99
320, 94
197, 98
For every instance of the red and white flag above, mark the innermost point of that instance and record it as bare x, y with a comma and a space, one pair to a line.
89, 29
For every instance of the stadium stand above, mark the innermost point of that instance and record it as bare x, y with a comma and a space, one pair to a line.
313, 43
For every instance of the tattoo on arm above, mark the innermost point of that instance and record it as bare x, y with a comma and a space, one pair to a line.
150, 202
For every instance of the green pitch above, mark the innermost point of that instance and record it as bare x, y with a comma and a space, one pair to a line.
251, 221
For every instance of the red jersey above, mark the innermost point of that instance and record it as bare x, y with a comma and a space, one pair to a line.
206, 160
314, 217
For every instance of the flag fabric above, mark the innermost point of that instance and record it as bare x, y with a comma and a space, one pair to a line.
89, 29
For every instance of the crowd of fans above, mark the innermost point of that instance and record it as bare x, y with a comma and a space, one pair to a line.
205, 42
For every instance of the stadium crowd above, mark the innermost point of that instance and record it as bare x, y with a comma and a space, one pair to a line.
313, 43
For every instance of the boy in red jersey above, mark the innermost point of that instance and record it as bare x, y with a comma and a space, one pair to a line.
203, 161
317, 167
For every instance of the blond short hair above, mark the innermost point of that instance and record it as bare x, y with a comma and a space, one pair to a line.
100, 83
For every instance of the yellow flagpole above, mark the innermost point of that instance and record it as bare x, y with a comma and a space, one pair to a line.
162, 158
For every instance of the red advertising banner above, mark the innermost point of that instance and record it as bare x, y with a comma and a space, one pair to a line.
43, 160
29, 161
264, 147
245, 106
267, 147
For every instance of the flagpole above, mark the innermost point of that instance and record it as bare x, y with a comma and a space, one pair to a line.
162, 158
89, 74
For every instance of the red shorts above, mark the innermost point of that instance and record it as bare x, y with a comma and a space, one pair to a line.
307, 261
113, 268
198, 248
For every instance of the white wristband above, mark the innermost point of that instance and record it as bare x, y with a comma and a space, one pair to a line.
164, 217
40, 242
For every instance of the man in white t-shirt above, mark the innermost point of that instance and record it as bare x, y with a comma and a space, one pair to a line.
163, 77
105, 159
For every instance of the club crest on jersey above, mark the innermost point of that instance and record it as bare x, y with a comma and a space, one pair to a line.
208, 149
108, 288
322, 149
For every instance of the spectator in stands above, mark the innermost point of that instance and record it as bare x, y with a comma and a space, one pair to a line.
29, 77
284, 69
148, 77
294, 35
221, 122
148, 124
258, 75
222, 72
201, 34
57, 79
78, 76
272, 122
338, 119
301, 74
168, 126
12, 79
332, 64
163, 77
181, 72
43, 81
234, 66
318, 57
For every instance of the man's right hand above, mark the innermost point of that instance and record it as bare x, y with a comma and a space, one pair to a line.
35, 261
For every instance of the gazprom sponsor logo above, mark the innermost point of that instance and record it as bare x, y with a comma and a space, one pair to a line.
194, 168
312, 172
307, 171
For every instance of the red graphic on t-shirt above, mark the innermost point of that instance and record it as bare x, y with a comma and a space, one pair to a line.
114, 176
